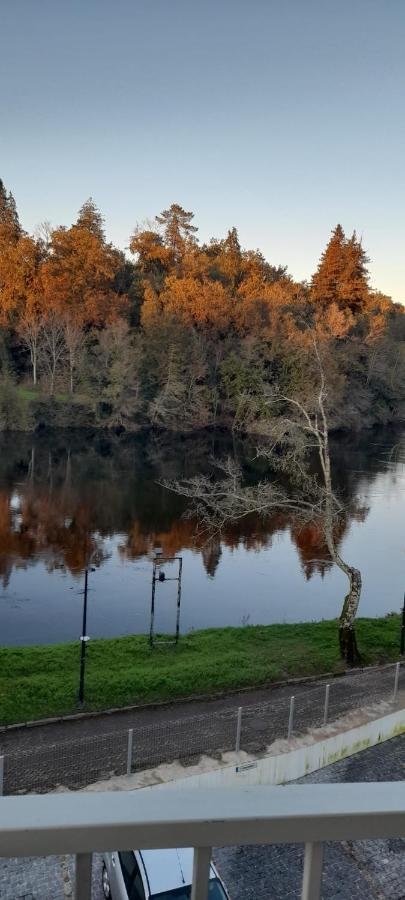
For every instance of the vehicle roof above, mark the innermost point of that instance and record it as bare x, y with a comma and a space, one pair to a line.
169, 869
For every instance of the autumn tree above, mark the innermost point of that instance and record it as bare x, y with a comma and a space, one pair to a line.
206, 304
90, 217
229, 261
178, 229
353, 287
153, 257
79, 273
342, 275
18, 259
20, 277
10, 229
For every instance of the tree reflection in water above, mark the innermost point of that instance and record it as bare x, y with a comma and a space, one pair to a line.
63, 495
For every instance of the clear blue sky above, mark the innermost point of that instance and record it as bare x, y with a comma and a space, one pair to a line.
281, 117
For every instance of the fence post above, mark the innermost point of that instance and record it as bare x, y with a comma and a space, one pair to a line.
397, 667
83, 876
238, 730
326, 706
129, 751
201, 873
291, 718
1, 776
312, 879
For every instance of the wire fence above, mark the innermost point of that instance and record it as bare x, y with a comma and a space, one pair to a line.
76, 763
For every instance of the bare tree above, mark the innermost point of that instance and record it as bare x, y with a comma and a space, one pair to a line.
217, 502
74, 335
314, 425
53, 347
30, 328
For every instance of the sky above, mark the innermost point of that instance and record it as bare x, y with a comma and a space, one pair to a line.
281, 117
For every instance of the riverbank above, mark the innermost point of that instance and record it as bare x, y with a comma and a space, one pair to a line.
31, 409
42, 681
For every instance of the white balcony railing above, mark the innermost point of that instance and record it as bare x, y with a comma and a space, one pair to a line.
312, 814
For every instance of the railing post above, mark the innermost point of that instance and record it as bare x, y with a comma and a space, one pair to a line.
238, 730
129, 750
312, 879
83, 876
291, 718
201, 873
1, 776
326, 706
396, 682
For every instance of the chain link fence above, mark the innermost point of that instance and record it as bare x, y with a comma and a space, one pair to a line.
77, 763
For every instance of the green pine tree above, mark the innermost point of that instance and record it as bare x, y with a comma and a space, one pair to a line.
90, 217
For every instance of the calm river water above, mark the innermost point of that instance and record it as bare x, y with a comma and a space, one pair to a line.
64, 495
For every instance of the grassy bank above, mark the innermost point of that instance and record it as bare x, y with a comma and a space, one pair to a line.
36, 682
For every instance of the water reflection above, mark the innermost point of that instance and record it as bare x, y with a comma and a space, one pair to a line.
66, 497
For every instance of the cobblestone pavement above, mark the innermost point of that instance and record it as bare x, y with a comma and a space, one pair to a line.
363, 870
74, 754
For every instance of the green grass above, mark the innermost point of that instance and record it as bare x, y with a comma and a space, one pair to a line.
27, 393
36, 682
40, 393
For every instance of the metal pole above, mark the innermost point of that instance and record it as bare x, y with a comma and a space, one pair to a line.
152, 608
291, 718
83, 638
1, 776
129, 752
402, 644
312, 878
178, 600
238, 730
326, 706
397, 668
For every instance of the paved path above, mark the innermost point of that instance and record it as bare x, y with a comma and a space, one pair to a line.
365, 870
77, 753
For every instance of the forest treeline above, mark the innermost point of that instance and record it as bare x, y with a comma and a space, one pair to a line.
182, 334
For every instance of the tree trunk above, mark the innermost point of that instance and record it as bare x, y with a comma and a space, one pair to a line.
347, 634
33, 355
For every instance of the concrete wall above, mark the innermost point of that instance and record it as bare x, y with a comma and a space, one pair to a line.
292, 764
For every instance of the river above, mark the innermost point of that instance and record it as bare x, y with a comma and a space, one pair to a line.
65, 495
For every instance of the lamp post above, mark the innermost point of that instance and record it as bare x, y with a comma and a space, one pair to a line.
84, 637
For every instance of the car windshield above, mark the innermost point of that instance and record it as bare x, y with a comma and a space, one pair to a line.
215, 892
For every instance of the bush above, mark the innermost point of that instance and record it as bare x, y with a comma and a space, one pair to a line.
15, 413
